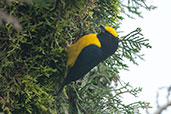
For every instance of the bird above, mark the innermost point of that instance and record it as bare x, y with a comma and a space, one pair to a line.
88, 52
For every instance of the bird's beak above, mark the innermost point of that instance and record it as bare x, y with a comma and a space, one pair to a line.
102, 28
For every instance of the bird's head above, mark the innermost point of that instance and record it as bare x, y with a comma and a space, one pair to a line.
109, 29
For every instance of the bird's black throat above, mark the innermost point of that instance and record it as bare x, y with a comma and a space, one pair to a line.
109, 43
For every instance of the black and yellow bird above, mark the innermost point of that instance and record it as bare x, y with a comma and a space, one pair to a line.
88, 52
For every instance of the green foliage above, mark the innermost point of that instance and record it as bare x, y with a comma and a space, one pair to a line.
133, 7
131, 45
33, 60
93, 94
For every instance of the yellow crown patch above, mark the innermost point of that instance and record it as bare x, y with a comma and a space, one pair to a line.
111, 30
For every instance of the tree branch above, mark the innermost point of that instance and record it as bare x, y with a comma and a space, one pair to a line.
9, 19
162, 108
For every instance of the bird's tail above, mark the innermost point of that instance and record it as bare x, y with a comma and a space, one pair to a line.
60, 90
62, 86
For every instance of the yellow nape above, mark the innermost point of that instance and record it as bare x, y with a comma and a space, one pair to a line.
111, 30
75, 49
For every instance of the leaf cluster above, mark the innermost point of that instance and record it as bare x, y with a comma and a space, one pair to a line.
132, 44
133, 7
94, 95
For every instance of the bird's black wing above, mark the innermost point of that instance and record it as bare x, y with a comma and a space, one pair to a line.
89, 57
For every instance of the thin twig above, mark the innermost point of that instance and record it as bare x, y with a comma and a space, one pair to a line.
65, 109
